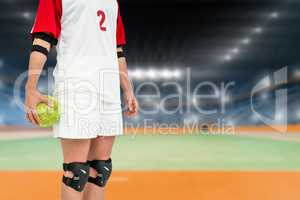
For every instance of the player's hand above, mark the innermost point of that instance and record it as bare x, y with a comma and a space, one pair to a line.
32, 99
131, 104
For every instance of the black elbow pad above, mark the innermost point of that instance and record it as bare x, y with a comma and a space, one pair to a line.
121, 54
46, 37
40, 49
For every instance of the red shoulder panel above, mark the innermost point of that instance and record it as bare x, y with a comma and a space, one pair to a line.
48, 18
121, 38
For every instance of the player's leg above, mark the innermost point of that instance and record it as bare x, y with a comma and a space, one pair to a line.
76, 169
100, 167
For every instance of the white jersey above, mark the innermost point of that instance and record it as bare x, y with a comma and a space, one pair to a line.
88, 33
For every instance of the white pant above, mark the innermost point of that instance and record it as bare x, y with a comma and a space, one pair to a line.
85, 115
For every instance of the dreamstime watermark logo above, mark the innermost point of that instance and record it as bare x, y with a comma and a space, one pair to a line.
185, 97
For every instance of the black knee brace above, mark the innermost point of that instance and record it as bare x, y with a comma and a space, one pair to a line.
103, 168
80, 178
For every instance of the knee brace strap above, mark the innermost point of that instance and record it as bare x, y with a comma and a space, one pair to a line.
104, 169
80, 178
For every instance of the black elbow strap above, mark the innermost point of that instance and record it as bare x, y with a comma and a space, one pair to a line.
39, 48
45, 37
121, 54
121, 46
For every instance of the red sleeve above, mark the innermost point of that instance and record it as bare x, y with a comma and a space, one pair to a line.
48, 18
121, 38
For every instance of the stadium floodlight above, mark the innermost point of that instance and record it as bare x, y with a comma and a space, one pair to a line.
152, 74
136, 74
235, 50
246, 41
258, 30
228, 57
177, 73
166, 74
26, 15
274, 15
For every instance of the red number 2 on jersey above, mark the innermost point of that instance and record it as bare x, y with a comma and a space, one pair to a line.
102, 16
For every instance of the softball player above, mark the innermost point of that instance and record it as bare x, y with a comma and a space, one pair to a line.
91, 66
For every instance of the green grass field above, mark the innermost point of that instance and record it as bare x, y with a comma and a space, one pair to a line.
201, 152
